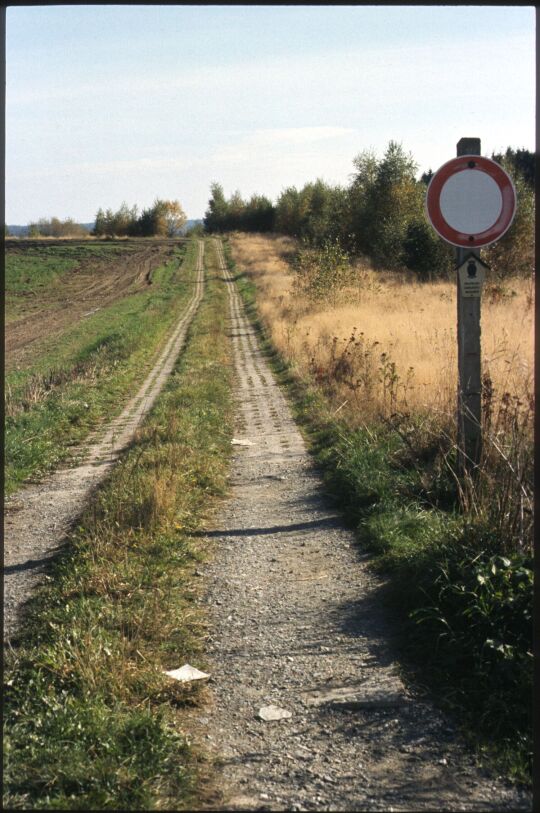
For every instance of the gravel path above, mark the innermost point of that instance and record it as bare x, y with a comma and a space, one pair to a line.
38, 517
296, 623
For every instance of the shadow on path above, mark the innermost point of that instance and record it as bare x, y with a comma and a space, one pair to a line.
325, 522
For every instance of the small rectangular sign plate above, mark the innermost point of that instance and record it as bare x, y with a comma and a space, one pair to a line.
471, 279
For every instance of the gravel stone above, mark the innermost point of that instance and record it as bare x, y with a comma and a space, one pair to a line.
318, 626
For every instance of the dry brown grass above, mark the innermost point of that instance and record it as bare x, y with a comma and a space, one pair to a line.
412, 323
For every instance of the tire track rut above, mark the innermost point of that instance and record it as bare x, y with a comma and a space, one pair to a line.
42, 513
295, 621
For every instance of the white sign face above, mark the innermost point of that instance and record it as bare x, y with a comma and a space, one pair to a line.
471, 201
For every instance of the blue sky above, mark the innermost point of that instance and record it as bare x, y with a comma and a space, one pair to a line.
128, 103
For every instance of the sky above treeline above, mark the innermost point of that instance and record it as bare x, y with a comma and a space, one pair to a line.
106, 104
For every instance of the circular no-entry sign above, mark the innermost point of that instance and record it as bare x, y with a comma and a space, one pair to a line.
471, 201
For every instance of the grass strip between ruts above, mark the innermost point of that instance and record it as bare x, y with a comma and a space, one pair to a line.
91, 721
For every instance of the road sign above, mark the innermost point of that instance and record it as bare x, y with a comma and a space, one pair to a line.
471, 201
471, 275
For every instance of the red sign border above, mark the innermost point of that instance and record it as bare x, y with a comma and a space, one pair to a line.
508, 209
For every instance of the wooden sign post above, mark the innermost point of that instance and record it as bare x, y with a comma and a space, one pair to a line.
469, 406
470, 202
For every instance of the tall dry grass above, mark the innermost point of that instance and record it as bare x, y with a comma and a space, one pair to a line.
389, 343
385, 349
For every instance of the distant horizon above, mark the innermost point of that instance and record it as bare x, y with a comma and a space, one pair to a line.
131, 103
21, 229
82, 222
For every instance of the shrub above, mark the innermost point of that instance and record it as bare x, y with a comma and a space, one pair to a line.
424, 253
322, 271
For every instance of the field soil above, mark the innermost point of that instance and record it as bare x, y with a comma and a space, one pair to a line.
39, 516
309, 711
92, 284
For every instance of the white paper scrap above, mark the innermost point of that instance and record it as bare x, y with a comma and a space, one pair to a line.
236, 442
268, 713
187, 673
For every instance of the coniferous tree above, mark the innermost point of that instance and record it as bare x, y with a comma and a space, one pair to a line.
215, 215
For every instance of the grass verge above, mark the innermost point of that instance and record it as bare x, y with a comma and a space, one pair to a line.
87, 374
460, 591
90, 720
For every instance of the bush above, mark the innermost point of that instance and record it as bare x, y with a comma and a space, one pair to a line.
322, 272
424, 253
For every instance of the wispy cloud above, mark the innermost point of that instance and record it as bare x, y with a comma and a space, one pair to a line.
112, 168
295, 135
427, 68
245, 146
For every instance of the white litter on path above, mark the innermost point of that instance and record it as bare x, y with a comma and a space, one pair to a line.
187, 673
268, 713
236, 442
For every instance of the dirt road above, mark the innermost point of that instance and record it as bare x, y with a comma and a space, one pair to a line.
296, 623
38, 517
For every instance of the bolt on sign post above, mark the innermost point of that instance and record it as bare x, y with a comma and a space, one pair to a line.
470, 202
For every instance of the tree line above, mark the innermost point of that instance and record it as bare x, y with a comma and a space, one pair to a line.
256, 214
165, 218
379, 214
54, 227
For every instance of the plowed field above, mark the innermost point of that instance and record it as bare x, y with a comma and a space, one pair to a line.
43, 301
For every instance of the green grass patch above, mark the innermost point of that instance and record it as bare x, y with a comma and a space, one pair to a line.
460, 593
39, 268
31, 273
88, 373
91, 722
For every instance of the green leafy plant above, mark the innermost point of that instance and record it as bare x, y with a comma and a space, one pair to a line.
322, 271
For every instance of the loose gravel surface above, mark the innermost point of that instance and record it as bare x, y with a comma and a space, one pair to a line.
297, 630
39, 516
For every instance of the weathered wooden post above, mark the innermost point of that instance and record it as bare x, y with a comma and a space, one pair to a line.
469, 406
470, 202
